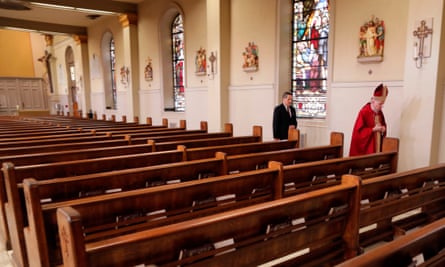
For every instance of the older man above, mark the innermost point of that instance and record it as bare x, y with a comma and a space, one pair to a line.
370, 126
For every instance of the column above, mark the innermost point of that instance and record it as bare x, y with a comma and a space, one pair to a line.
83, 76
218, 43
131, 61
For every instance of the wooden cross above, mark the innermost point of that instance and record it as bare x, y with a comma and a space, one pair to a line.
212, 60
422, 32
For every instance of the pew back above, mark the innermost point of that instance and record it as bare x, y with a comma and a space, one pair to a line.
325, 236
427, 243
395, 203
124, 212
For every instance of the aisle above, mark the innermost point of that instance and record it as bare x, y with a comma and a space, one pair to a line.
4, 258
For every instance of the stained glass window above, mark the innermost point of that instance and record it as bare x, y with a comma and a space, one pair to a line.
113, 72
178, 63
310, 27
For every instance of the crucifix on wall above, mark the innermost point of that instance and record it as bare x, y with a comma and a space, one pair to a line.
422, 45
45, 59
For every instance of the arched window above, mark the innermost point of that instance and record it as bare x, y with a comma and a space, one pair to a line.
112, 52
177, 38
310, 28
109, 70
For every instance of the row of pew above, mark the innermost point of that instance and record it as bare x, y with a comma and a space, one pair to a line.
239, 204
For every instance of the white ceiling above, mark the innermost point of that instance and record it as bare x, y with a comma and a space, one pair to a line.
56, 20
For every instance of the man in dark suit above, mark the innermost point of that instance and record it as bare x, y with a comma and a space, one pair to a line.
284, 118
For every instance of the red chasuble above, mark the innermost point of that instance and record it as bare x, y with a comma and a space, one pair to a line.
363, 138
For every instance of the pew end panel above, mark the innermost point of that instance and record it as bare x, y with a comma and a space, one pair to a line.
70, 228
257, 130
338, 139
14, 218
391, 144
294, 135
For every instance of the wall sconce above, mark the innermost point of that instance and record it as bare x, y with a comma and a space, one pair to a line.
421, 33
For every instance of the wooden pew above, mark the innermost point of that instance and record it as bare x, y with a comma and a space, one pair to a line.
75, 122
63, 146
244, 162
185, 195
327, 237
235, 149
123, 147
308, 176
9, 147
421, 247
172, 134
69, 188
14, 175
426, 196
256, 137
27, 132
86, 137
395, 203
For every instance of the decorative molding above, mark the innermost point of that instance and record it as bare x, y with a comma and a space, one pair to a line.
127, 19
80, 39
367, 84
251, 87
49, 40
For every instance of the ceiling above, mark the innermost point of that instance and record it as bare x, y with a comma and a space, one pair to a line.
67, 17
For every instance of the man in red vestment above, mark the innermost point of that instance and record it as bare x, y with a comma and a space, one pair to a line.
370, 126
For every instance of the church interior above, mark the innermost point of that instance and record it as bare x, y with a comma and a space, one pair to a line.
220, 67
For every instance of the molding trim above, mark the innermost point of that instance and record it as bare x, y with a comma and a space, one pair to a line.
367, 84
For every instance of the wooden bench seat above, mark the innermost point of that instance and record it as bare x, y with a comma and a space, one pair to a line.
62, 147
308, 176
235, 149
192, 197
87, 137
396, 203
173, 134
421, 247
245, 230
61, 170
21, 133
68, 188
422, 192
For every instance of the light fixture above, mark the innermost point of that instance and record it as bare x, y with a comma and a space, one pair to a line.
71, 8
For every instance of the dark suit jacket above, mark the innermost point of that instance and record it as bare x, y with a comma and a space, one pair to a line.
282, 120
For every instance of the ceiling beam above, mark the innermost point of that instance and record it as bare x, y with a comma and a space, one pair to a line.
43, 26
111, 6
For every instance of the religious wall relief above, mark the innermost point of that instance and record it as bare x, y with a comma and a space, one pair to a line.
250, 58
371, 40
